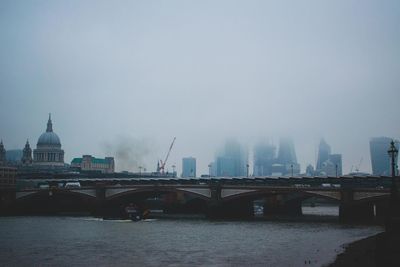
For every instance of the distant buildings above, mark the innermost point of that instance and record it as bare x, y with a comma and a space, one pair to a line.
232, 160
264, 158
188, 167
286, 162
91, 164
324, 150
380, 159
48, 157
212, 169
328, 164
7, 177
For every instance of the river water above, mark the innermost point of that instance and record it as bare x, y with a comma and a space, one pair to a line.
87, 241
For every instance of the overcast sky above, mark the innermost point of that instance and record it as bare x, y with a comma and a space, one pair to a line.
125, 77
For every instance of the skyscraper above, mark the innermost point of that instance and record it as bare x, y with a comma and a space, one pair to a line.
232, 160
287, 153
380, 159
286, 163
328, 164
324, 150
188, 167
264, 157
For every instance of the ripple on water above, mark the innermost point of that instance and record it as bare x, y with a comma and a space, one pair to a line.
65, 241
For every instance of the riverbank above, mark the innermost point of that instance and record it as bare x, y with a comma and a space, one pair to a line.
379, 250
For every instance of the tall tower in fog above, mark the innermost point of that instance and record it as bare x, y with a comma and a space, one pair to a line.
380, 159
264, 158
232, 160
324, 150
287, 153
286, 163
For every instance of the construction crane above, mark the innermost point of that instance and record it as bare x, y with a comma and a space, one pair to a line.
161, 164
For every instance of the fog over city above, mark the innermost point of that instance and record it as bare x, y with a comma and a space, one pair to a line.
123, 78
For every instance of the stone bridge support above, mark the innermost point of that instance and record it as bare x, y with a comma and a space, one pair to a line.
351, 210
7, 200
278, 204
219, 208
99, 209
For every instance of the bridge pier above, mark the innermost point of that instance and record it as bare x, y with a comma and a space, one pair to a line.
99, 209
238, 209
277, 205
355, 212
7, 200
352, 211
382, 210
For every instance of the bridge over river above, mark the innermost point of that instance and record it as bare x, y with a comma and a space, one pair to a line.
359, 198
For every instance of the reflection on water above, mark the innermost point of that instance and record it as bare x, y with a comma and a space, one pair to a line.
321, 210
65, 241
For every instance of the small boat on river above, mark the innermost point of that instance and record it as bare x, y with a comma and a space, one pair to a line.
135, 213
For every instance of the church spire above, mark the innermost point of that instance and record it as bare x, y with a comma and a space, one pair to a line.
49, 124
2, 153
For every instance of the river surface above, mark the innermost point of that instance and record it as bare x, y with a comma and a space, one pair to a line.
87, 241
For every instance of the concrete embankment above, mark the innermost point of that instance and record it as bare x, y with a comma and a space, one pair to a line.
380, 250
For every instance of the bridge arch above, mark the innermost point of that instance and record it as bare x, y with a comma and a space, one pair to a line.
236, 194
114, 193
49, 201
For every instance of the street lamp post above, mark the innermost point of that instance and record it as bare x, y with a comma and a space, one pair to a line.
336, 168
393, 152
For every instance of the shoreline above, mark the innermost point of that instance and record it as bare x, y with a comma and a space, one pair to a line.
378, 250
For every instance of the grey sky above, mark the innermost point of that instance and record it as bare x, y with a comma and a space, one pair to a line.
142, 72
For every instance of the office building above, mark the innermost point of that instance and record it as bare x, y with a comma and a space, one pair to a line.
188, 167
232, 160
91, 164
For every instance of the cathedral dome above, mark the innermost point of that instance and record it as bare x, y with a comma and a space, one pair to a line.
49, 138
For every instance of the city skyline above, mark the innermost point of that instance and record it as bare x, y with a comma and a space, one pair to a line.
286, 154
125, 78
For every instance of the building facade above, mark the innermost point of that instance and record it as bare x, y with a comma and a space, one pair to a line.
48, 151
188, 167
7, 177
91, 164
